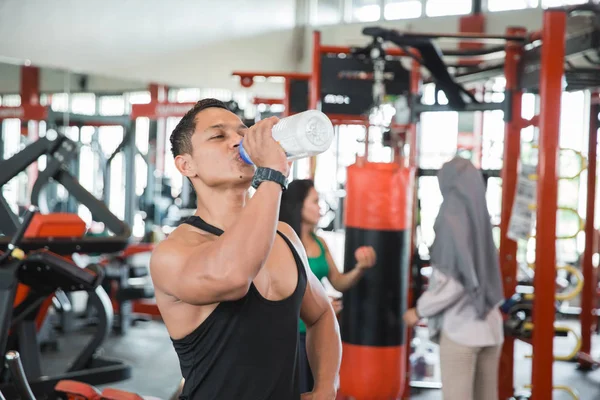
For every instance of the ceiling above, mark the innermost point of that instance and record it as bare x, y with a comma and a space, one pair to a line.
135, 39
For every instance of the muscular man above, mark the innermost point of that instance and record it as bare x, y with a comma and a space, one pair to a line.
231, 282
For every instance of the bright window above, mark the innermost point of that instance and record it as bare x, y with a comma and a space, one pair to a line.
83, 103
60, 102
326, 12
171, 171
440, 8
402, 9
439, 133
505, 5
558, 3
112, 105
139, 97
11, 100
366, 10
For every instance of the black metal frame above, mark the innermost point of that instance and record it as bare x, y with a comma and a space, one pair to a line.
58, 152
57, 118
577, 45
21, 321
487, 173
130, 150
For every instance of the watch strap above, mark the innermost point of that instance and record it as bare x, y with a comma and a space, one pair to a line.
263, 174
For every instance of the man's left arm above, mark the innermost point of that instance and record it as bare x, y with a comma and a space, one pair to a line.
323, 342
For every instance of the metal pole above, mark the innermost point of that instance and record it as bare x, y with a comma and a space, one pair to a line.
315, 88
552, 70
512, 153
589, 273
130, 195
412, 161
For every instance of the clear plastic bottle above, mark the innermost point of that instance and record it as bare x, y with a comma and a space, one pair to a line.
301, 135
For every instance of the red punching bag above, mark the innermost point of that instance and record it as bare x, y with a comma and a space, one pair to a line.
379, 206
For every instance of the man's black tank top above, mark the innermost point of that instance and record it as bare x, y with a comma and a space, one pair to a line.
246, 349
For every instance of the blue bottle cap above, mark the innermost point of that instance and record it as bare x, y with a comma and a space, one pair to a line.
245, 157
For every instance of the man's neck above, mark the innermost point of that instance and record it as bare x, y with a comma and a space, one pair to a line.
222, 209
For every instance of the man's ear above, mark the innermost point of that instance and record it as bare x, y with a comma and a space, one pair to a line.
185, 165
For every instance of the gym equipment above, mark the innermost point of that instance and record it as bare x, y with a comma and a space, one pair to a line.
58, 150
373, 334
120, 284
71, 390
44, 272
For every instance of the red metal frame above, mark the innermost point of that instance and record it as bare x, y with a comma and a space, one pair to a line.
552, 70
589, 273
268, 101
248, 76
25, 112
508, 247
315, 82
156, 110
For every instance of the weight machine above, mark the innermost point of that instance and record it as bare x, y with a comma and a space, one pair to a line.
531, 62
49, 242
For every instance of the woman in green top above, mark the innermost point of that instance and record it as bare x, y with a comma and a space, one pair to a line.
300, 209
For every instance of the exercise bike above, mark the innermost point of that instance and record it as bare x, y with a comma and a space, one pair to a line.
43, 273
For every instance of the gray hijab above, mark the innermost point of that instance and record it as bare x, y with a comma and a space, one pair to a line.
464, 248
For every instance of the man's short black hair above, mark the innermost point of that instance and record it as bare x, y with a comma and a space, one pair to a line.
181, 138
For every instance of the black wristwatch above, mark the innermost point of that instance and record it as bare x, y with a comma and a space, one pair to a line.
267, 174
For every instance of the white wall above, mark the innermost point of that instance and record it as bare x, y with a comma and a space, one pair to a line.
210, 65
54, 81
351, 34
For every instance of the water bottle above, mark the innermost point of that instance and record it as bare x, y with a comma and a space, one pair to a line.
301, 135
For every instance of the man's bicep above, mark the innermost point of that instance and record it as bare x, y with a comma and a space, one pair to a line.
170, 273
315, 302
166, 267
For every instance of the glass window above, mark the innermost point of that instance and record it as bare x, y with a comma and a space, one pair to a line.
558, 3
142, 134
440, 8
365, 10
326, 12
492, 145
220, 94
112, 105
141, 175
439, 138
505, 5
116, 203
11, 100
430, 200
171, 171
86, 134
402, 9
87, 168
109, 138
139, 97
83, 103
60, 102
187, 95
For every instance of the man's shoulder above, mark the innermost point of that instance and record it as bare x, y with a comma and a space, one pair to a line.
176, 246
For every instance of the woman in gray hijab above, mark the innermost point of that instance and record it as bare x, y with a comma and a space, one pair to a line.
462, 301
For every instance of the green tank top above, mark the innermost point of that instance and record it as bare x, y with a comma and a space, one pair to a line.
319, 267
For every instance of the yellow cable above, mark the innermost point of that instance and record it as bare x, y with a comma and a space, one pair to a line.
572, 392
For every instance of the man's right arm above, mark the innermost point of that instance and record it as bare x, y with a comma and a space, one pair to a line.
223, 269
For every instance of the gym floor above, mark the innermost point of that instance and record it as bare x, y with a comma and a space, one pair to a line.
147, 348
